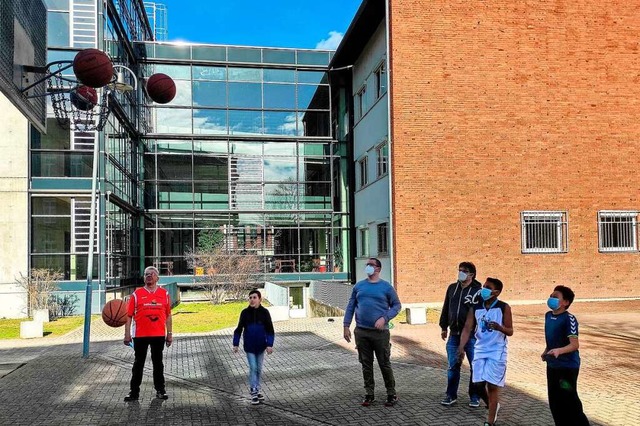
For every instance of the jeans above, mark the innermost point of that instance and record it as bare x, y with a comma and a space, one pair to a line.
255, 370
453, 372
368, 343
140, 347
565, 405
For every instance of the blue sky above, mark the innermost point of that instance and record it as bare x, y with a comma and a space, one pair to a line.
269, 23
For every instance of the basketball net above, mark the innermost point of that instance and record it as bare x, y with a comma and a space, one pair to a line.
59, 88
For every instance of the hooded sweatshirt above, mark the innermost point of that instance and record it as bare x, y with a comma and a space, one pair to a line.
456, 305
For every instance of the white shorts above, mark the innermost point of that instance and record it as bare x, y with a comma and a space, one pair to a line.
490, 371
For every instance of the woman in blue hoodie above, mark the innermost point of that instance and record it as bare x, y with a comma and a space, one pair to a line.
255, 323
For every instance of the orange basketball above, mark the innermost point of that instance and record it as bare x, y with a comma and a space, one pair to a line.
161, 88
114, 313
93, 68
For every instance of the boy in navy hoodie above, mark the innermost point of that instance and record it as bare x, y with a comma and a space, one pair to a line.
255, 323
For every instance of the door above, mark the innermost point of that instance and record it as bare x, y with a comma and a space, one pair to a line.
297, 302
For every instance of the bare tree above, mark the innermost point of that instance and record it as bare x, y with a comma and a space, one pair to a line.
39, 284
228, 273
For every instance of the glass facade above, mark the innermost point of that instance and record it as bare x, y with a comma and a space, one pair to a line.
244, 152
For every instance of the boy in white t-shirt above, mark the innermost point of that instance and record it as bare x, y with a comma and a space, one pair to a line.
492, 322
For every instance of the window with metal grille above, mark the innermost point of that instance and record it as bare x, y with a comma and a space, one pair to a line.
383, 238
617, 231
544, 232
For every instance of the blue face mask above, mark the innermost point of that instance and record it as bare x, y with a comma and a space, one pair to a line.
369, 270
485, 293
553, 303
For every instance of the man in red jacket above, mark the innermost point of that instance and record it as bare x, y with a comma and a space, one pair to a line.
150, 309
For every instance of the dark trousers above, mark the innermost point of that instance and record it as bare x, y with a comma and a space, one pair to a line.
564, 402
140, 346
368, 343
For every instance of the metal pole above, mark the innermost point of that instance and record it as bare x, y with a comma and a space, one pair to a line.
92, 225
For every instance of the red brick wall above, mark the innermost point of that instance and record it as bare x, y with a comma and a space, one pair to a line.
504, 106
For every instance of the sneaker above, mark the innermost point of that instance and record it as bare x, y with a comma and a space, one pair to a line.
474, 403
448, 400
131, 397
260, 397
255, 400
391, 400
162, 395
368, 400
488, 424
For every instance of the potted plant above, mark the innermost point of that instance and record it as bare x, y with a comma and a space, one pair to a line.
337, 258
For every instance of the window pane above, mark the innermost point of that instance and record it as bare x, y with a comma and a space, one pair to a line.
58, 29
280, 96
313, 77
245, 122
209, 73
172, 52
209, 53
316, 123
316, 196
210, 168
315, 149
313, 58
245, 95
56, 137
315, 169
172, 146
174, 195
174, 167
51, 206
313, 97
280, 169
210, 93
280, 76
210, 147
183, 93
251, 148
279, 56
245, 74
174, 71
280, 148
210, 121
51, 234
173, 120
282, 196
63, 164
211, 195
281, 123
243, 54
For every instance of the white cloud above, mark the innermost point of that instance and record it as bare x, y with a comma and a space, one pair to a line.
331, 42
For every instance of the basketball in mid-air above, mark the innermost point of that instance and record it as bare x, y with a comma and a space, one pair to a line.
161, 88
93, 68
114, 313
84, 98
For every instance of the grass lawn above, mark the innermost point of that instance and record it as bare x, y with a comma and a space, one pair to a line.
10, 328
200, 317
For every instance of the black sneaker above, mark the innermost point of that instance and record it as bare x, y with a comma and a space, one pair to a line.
448, 401
255, 400
391, 401
368, 400
162, 395
131, 397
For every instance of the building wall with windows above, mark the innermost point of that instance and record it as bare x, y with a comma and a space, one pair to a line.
514, 137
370, 142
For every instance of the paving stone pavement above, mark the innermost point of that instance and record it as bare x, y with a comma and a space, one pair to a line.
312, 378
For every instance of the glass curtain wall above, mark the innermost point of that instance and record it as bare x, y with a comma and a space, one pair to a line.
244, 151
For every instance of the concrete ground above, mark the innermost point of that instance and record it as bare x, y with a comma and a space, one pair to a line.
313, 377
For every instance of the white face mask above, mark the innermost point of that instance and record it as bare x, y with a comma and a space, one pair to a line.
462, 277
369, 270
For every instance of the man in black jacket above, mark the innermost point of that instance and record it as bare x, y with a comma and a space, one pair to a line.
458, 299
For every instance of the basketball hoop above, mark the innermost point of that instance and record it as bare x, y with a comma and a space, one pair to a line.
72, 107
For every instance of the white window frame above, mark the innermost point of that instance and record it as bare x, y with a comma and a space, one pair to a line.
382, 160
609, 235
363, 165
383, 243
544, 231
380, 78
363, 236
361, 102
